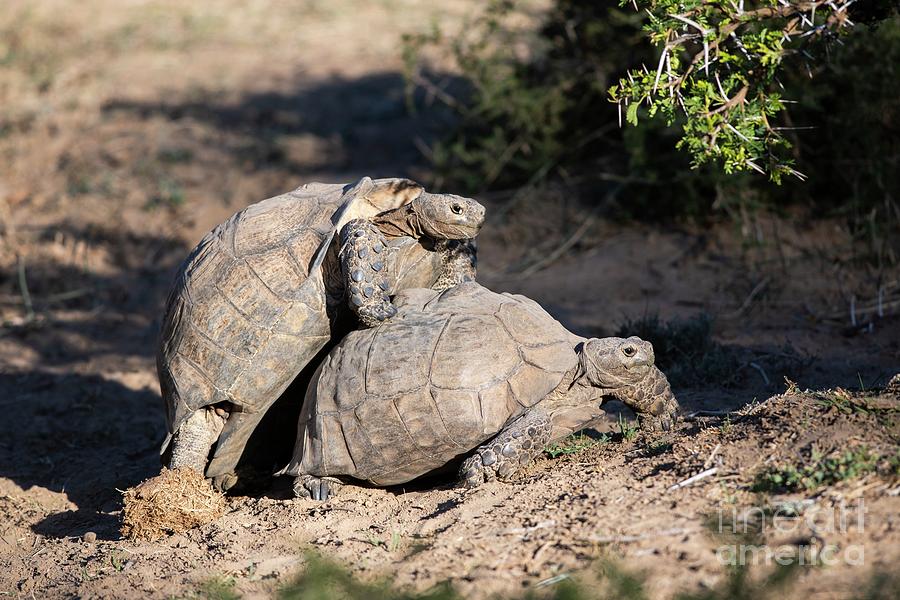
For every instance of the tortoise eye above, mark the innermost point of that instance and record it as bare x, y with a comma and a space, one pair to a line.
629, 351
457, 209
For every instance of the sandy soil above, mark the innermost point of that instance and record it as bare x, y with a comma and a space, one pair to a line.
130, 129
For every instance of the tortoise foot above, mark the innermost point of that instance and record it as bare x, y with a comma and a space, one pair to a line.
225, 482
473, 472
509, 452
375, 314
316, 488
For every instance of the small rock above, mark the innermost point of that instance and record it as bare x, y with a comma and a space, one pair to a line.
90, 537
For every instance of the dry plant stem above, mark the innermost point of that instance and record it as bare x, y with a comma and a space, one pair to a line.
23, 288
172, 502
694, 479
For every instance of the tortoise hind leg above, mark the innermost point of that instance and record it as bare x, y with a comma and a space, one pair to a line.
230, 448
504, 455
364, 265
194, 439
316, 488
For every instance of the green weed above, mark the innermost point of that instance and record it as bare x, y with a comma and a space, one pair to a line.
390, 544
219, 588
820, 471
575, 443
169, 194
325, 580
627, 429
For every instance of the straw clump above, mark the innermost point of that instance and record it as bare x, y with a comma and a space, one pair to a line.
172, 502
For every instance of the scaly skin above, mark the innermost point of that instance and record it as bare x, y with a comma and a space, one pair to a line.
316, 488
365, 262
507, 453
194, 439
459, 259
652, 400
363, 258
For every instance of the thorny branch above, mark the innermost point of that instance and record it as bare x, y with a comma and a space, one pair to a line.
718, 69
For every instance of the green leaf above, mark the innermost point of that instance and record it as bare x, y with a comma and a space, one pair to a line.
631, 114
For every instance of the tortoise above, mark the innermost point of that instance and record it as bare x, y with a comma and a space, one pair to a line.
259, 297
462, 372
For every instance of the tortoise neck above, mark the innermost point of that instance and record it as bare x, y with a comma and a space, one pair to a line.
399, 222
574, 390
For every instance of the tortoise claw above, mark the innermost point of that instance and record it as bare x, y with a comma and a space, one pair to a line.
224, 482
315, 488
472, 471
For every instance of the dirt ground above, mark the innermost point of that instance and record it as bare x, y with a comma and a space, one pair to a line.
129, 129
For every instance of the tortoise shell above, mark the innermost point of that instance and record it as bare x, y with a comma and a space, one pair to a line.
447, 373
248, 309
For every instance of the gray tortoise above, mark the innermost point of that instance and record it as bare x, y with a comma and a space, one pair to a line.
459, 371
258, 297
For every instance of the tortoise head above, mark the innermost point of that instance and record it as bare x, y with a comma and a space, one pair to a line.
613, 363
446, 216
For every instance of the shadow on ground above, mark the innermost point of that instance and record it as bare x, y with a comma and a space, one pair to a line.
365, 124
82, 314
82, 435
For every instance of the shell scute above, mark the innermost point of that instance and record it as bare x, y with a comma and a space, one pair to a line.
279, 272
400, 355
272, 372
247, 292
473, 352
269, 223
210, 358
459, 413
529, 324
221, 321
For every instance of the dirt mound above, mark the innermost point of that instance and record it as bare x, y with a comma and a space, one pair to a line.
172, 502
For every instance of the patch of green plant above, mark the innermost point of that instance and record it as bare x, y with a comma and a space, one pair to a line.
685, 350
219, 588
169, 194
174, 155
627, 429
323, 579
820, 471
739, 586
390, 544
534, 104
657, 448
575, 443
840, 400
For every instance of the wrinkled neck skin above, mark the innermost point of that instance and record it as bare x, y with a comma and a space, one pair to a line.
573, 405
400, 222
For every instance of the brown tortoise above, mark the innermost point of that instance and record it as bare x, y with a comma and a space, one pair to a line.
461, 370
257, 299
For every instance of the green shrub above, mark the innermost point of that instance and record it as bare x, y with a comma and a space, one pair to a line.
685, 350
545, 113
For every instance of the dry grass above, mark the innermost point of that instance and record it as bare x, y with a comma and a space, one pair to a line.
172, 502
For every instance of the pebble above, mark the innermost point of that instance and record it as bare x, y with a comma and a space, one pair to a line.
90, 537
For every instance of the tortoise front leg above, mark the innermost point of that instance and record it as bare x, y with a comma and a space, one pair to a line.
513, 448
364, 265
652, 400
459, 263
